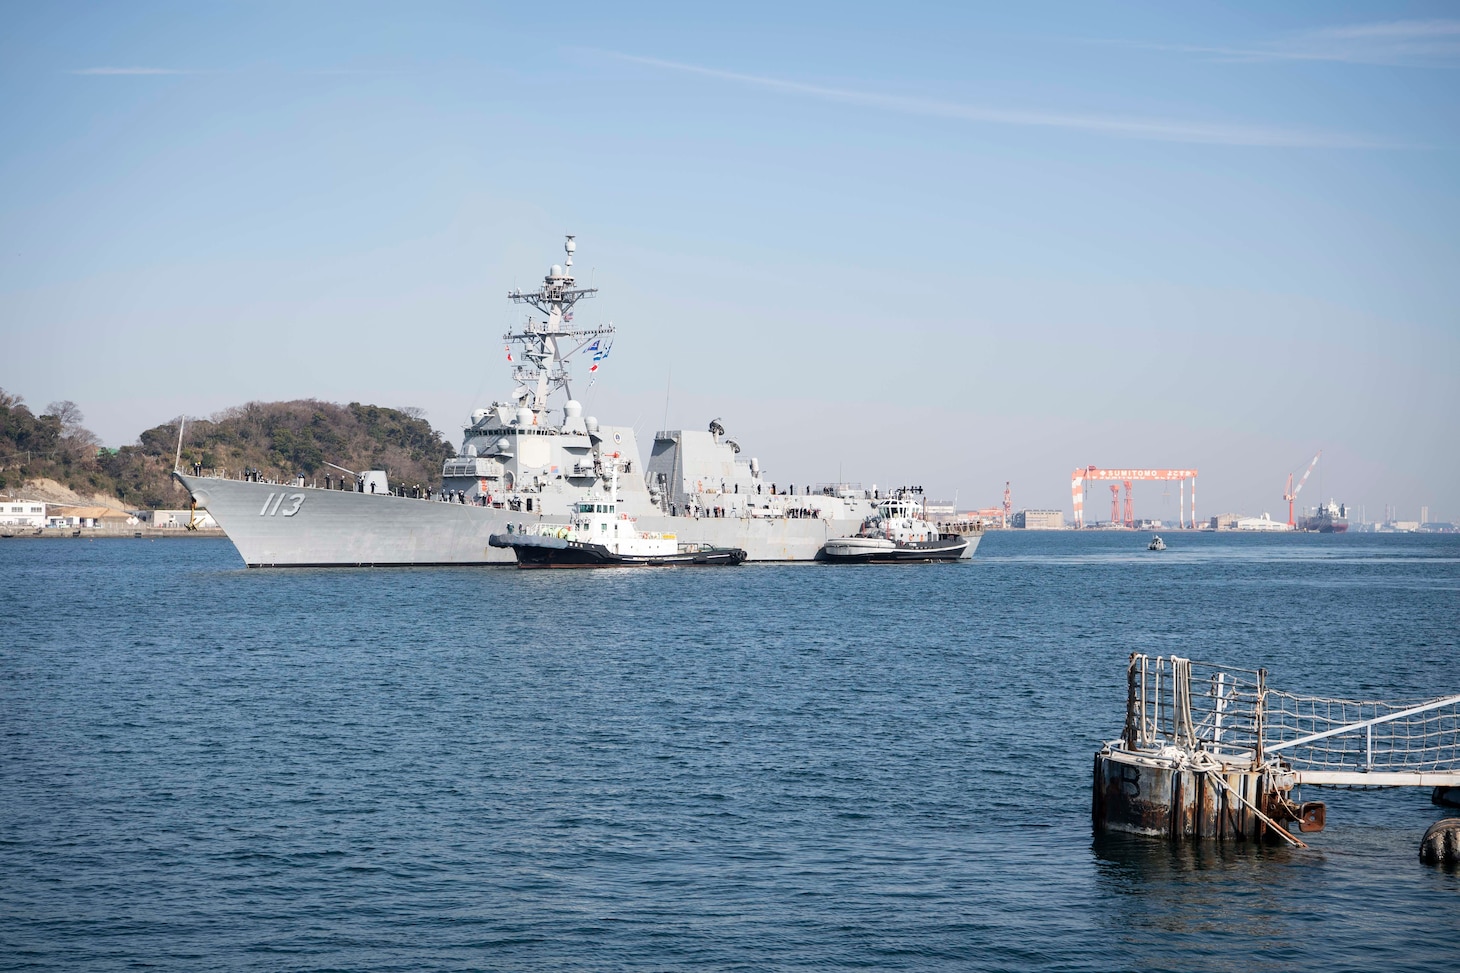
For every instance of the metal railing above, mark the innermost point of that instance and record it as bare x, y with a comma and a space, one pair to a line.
1227, 712
1313, 733
1192, 705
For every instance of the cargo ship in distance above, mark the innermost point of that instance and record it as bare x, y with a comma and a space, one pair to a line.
529, 460
1330, 518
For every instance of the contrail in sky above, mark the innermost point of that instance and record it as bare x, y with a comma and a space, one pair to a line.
130, 71
1395, 43
1151, 129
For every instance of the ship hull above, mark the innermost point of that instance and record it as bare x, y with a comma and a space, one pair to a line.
858, 550
552, 552
273, 525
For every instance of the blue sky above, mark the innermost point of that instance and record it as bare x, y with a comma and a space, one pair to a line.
950, 244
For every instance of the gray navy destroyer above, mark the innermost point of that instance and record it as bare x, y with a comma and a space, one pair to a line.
529, 461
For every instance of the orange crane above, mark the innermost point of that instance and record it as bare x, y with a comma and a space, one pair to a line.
1290, 494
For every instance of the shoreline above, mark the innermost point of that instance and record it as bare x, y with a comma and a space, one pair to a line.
95, 533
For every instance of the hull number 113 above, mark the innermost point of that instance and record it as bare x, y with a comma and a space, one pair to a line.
275, 502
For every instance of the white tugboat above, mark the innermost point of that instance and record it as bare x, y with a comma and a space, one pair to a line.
898, 531
599, 536
1156, 543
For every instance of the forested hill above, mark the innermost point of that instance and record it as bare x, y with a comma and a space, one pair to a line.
279, 438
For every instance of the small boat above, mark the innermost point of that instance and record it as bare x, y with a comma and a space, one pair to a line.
599, 536
1156, 543
898, 531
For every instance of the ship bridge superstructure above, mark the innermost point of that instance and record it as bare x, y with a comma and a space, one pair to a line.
528, 444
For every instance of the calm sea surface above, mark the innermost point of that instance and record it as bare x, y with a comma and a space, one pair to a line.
769, 767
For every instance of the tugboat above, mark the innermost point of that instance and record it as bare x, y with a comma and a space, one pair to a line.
1156, 543
599, 536
898, 531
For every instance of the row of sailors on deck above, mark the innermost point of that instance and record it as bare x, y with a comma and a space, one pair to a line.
696, 511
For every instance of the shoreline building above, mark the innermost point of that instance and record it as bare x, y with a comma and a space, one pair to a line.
1265, 522
19, 512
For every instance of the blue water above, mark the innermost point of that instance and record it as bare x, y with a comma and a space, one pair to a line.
760, 768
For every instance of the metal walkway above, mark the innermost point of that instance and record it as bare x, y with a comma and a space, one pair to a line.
1232, 715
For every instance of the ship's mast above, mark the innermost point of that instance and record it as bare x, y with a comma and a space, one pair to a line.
547, 345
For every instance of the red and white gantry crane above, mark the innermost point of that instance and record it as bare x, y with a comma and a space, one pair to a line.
1290, 494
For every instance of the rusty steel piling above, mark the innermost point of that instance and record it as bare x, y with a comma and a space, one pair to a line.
1213, 752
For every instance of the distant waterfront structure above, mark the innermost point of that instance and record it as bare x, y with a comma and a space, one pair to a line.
19, 512
941, 509
1091, 474
71, 515
1265, 522
1039, 520
180, 518
1226, 521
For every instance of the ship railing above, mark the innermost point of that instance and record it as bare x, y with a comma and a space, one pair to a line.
1191, 705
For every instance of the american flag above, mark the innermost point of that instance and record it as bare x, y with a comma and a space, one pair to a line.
567, 316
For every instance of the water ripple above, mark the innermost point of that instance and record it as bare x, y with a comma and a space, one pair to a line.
774, 767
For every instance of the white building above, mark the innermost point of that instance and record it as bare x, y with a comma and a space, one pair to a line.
1265, 522
180, 518
22, 513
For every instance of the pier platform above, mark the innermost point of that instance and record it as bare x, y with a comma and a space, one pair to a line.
1212, 751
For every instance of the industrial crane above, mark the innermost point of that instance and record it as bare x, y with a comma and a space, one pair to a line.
1080, 477
1290, 494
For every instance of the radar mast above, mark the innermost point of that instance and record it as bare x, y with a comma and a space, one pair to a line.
548, 345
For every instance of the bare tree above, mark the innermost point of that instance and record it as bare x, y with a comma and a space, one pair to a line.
76, 438
69, 413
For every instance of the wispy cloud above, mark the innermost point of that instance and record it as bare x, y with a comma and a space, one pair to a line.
1395, 43
354, 72
322, 72
1151, 129
131, 71
1418, 42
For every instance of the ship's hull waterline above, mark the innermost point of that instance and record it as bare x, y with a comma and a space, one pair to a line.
277, 526
862, 550
536, 551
